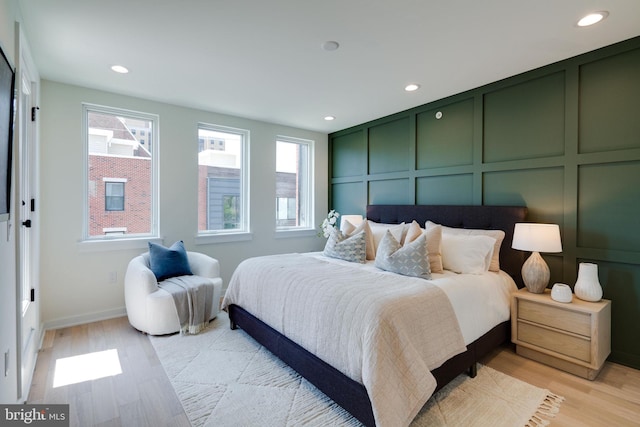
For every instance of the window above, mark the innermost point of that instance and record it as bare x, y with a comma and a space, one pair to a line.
112, 149
223, 204
294, 183
286, 208
113, 196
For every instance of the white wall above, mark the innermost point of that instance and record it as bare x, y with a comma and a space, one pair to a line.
8, 384
74, 282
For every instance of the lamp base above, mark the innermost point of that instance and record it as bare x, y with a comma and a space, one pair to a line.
535, 273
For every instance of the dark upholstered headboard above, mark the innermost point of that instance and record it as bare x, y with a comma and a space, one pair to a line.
485, 217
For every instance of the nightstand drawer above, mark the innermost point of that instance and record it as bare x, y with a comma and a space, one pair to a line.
560, 318
569, 345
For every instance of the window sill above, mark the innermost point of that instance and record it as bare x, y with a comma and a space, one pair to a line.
116, 244
286, 233
205, 239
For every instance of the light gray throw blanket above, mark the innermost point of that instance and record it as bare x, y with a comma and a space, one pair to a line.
193, 299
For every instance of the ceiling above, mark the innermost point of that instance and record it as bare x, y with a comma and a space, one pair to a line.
264, 59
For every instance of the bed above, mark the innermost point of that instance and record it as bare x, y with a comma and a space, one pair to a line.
338, 382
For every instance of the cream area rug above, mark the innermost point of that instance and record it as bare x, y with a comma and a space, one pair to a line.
225, 378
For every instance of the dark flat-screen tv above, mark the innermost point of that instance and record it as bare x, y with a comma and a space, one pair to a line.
7, 85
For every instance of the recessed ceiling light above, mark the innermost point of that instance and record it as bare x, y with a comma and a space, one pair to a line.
330, 45
411, 87
592, 18
329, 118
120, 69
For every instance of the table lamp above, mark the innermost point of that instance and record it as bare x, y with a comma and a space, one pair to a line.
536, 238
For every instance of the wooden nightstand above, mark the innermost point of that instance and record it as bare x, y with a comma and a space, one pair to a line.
574, 337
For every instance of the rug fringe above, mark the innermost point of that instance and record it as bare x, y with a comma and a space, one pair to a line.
549, 407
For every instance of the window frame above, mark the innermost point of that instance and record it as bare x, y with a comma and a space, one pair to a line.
309, 188
244, 231
138, 239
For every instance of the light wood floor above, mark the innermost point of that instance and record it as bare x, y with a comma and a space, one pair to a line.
143, 396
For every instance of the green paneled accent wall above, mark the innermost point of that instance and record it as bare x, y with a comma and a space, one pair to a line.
620, 283
445, 190
390, 192
608, 211
525, 120
610, 103
349, 155
389, 147
351, 197
444, 136
539, 189
564, 140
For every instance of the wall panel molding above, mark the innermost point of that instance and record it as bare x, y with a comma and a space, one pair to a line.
563, 139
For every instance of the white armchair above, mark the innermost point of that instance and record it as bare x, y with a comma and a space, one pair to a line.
151, 309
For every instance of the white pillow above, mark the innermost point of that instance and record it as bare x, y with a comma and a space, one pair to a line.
409, 260
498, 235
348, 229
470, 254
378, 231
434, 242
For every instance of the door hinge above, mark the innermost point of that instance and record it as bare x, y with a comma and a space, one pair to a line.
33, 205
33, 295
33, 113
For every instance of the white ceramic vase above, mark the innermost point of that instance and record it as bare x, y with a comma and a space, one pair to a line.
587, 286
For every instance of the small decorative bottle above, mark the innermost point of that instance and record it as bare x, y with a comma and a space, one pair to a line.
587, 286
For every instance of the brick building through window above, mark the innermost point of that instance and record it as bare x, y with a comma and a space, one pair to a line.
119, 173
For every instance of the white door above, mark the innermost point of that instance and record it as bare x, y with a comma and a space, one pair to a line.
28, 306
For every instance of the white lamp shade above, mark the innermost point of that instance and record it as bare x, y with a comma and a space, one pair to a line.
355, 220
537, 237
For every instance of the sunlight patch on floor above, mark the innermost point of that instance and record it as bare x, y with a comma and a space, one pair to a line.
86, 367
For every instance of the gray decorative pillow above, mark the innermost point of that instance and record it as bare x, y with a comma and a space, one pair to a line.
349, 248
409, 260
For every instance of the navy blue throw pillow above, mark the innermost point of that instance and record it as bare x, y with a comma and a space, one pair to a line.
169, 262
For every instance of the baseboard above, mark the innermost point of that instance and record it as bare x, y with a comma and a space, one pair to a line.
81, 319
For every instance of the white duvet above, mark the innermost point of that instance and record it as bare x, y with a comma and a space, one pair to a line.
381, 329
480, 301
